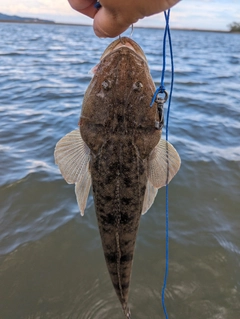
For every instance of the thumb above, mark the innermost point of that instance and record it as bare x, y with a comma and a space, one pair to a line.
107, 24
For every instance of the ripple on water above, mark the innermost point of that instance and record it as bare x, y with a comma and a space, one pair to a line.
33, 214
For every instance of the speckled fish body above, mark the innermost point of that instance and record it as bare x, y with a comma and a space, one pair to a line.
118, 130
118, 126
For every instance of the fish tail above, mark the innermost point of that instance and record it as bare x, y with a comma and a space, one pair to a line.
126, 311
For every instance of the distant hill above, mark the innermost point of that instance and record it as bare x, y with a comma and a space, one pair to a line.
10, 18
234, 27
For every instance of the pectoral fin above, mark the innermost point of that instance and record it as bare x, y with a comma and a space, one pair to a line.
82, 190
72, 156
164, 163
149, 197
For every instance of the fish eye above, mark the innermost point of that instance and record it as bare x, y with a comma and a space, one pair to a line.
106, 85
137, 86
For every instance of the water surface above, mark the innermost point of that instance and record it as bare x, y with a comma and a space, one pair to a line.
51, 260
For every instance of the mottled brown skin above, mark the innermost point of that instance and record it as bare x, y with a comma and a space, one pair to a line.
118, 126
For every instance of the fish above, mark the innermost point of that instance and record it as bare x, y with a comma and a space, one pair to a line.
118, 150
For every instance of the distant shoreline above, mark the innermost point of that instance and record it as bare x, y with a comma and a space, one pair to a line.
88, 25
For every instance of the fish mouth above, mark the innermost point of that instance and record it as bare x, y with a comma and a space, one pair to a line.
124, 42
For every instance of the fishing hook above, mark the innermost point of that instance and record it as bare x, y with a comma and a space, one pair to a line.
120, 38
131, 31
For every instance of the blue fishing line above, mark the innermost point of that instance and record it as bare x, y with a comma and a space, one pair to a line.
97, 5
160, 90
167, 16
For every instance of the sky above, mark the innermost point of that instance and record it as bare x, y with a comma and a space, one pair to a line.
193, 14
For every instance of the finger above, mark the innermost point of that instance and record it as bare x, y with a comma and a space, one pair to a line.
84, 6
116, 16
109, 25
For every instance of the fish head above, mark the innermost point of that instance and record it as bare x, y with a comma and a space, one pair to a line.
121, 64
118, 98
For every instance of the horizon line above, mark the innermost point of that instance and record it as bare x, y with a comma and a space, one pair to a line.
89, 25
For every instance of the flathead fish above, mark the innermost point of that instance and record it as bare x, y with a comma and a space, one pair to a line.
119, 151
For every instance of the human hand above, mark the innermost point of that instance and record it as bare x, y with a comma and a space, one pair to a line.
114, 17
